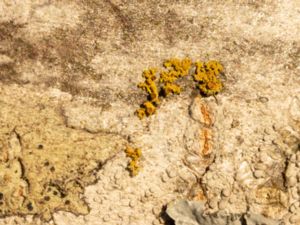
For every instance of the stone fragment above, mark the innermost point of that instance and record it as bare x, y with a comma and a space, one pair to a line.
226, 192
259, 173
171, 172
185, 212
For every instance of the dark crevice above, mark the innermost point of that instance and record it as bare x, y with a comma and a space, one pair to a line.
243, 220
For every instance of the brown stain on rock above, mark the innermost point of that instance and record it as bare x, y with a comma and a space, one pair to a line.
206, 142
16, 48
207, 121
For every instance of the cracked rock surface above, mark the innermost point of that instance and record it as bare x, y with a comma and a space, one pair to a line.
45, 165
68, 92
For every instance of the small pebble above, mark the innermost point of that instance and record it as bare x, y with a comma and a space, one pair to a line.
125, 202
213, 203
292, 181
226, 192
293, 207
148, 193
293, 158
267, 139
132, 203
118, 176
268, 130
264, 157
154, 190
191, 159
284, 199
293, 219
4, 60
171, 172
105, 218
144, 199
260, 166
161, 220
231, 200
259, 174
298, 156
298, 177
294, 193
164, 177
155, 222
263, 99
235, 123
285, 218
156, 210
208, 176
222, 205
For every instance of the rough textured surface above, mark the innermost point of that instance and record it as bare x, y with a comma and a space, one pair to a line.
71, 68
45, 165
192, 213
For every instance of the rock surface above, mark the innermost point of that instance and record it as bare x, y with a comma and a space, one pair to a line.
45, 164
68, 76
193, 213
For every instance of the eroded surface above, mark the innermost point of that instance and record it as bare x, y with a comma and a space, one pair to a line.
45, 165
69, 71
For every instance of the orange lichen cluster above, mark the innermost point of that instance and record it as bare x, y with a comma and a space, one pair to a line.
149, 107
206, 75
176, 68
134, 155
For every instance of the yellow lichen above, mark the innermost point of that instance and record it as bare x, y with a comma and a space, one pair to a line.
149, 85
176, 68
149, 107
134, 155
171, 88
207, 74
141, 113
181, 67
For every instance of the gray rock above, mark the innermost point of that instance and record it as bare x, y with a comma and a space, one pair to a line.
185, 212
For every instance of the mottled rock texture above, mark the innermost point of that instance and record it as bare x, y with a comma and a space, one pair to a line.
68, 92
45, 164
